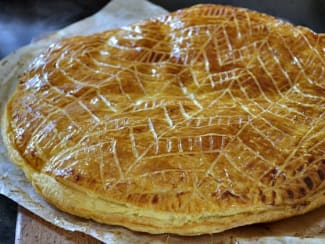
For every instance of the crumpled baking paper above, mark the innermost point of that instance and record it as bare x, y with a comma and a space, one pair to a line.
309, 228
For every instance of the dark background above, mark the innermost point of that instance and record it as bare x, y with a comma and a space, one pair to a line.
22, 21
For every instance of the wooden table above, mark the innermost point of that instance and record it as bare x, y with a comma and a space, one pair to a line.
31, 229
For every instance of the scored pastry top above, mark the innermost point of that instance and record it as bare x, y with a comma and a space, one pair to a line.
207, 110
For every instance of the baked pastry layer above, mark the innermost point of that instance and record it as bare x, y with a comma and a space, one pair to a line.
195, 122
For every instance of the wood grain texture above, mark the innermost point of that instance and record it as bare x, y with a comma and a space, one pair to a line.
32, 229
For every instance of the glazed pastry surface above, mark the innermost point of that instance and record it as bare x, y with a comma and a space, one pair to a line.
195, 122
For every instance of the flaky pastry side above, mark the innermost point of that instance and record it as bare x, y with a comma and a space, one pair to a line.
196, 122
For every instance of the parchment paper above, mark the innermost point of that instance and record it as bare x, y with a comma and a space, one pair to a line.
309, 228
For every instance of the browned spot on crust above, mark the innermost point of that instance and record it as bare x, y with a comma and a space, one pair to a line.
309, 182
139, 129
45, 87
129, 197
302, 191
228, 194
273, 197
321, 174
300, 168
311, 159
32, 152
178, 194
77, 177
143, 198
290, 194
263, 198
181, 178
270, 177
155, 199
274, 171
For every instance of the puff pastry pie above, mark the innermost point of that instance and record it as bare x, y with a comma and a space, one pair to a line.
195, 122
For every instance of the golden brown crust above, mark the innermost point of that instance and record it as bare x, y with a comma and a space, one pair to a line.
199, 121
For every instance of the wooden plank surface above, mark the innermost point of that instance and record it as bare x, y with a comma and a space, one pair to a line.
31, 229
